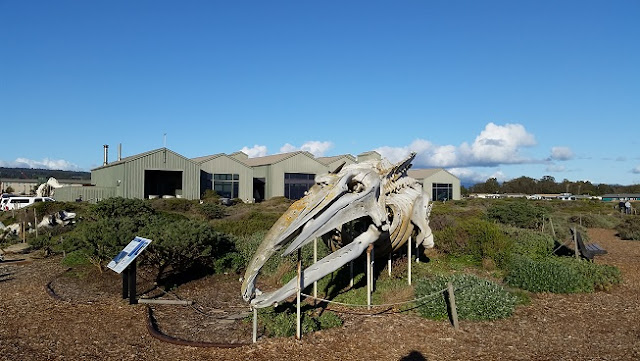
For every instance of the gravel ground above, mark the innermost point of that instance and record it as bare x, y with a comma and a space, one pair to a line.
89, 321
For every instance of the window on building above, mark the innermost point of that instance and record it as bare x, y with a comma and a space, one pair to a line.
227, 185
295, 184
442, 191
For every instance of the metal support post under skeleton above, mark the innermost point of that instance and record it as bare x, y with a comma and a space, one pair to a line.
389, 264
409, 260
255, 325
315, 260
369, 276
298, 325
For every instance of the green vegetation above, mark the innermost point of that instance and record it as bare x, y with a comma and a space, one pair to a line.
281, 321
479, 245
629, 228
476, 298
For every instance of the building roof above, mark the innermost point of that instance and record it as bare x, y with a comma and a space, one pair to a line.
329, 160
426, 173
137, 156
206, 158
621, 195
272, 159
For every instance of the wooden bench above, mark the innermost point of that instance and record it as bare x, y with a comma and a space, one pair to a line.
587, 250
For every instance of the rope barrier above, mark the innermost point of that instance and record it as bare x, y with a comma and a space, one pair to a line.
381, 305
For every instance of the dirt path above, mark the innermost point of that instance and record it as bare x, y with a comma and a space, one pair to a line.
599, 326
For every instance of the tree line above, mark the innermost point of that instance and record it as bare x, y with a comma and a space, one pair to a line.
549, 185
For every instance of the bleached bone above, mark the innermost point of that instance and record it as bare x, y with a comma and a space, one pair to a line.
372, 202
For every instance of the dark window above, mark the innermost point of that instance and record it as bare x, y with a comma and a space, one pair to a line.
227, 185
442, 191
295, 184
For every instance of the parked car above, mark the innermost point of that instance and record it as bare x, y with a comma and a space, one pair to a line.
17, 202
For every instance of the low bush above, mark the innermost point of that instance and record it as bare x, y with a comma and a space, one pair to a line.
529, 242
122, 207
517, 213
281, 321
476, 237
560, 275
183, 245
476, 298
248, 224
212, 210
629, 228
590, 220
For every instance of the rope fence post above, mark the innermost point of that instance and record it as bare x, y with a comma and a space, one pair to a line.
299, 286
452, 304
575, 243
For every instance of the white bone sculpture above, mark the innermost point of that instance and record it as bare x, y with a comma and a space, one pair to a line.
372, 202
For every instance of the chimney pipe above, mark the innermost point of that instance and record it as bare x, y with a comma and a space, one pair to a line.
119, 151
106, 155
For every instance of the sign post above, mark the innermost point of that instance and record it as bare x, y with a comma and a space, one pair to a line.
125, 261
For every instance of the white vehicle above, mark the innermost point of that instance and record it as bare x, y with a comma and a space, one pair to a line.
11, 203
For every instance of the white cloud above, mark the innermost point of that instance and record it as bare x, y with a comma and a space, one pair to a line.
561, 153
314, 147
555, 168
495, 145
255, 151
46, 163
468, 175
636, 170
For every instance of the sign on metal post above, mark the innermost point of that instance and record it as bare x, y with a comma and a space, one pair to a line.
128, 254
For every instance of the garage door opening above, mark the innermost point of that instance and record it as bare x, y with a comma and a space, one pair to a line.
162, 183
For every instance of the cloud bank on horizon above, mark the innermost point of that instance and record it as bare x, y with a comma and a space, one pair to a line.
495, 146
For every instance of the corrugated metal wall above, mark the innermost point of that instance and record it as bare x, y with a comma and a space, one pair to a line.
163, 159
227, 165
298, 163
91, 194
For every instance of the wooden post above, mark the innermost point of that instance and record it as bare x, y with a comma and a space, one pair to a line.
369, 276
575, 243
299, 286
409, 261
255, 325
452, 304
315, 259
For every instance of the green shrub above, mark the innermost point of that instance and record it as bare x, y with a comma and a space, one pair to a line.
180, 205
476, 237
629, 228
102, 239
476, 298
517, 213
560, 275
281, 321
529, 242
182, 245
212, 210
248, 224
122, 207
590, 220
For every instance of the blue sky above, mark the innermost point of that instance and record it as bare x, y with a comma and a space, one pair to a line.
482, 88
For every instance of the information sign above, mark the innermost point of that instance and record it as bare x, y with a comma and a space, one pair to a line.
128, 254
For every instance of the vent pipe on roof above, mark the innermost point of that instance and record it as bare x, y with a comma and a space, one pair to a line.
119, 151
106, 155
